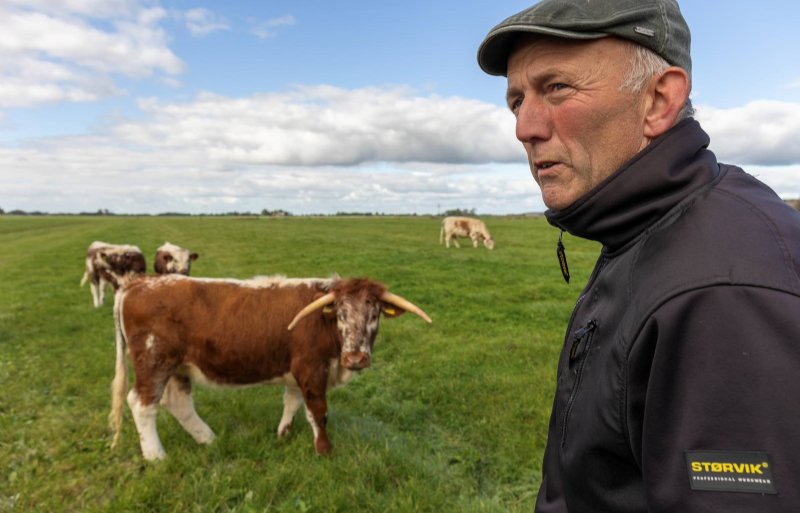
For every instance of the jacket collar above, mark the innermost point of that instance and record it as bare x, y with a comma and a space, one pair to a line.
642, 190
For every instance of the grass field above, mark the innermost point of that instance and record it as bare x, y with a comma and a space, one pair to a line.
451, 416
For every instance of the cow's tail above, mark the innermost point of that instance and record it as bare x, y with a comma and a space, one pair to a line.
85, 278
441, 234
119, 387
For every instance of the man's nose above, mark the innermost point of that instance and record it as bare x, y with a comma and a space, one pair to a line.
533, 121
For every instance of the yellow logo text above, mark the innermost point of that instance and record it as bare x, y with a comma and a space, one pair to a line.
730, 468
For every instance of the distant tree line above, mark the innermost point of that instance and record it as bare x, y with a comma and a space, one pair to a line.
264, 213
460, 212
107, 212
275, 213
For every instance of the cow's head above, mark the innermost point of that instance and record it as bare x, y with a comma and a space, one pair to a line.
357, 305
114, 263
173, 259
488, 242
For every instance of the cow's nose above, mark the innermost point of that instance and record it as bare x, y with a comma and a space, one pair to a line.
356, 361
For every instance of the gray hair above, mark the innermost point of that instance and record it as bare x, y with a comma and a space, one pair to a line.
644, 64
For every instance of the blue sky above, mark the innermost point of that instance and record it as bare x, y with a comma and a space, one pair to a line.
145, 106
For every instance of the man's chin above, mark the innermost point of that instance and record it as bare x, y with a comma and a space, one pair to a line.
557, 201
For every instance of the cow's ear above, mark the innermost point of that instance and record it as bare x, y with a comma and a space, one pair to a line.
168, 258
193, 257
391, 311
329, 311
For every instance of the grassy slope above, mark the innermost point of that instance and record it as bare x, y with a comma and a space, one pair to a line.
451, 417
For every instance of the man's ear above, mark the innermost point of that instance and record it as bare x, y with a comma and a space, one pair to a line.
669, 91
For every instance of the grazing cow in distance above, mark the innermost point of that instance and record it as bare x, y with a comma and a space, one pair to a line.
475, 229
173, 259
307, 334
108, 264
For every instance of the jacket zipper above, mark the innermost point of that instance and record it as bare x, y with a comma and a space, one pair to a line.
584, 336
601, 261
597, 267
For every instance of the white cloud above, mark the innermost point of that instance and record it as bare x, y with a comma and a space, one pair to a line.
29, 81
324, 149
89, 8
762, 132
87, 174
53, 51
202, 22
329, 126
785, 180
266, 29
313, 149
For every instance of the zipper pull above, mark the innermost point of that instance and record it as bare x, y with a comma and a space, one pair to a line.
562, 257
578, 336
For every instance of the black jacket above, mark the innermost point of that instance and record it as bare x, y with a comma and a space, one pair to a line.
679, 381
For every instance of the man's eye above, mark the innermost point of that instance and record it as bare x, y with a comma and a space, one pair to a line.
558, 86
514, 104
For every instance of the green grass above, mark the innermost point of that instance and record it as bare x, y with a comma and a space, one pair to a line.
452, 416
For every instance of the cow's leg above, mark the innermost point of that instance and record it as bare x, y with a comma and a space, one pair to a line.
317, 415
455, 242
177, 399
95, 286
318, 418
475, 241
144, 416
101, 297
292, 400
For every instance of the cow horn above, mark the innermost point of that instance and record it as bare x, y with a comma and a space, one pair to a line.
404, 304
314, 305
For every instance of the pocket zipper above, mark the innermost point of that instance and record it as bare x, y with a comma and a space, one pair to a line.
585, 333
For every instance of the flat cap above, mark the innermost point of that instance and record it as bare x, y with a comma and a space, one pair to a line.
654, 24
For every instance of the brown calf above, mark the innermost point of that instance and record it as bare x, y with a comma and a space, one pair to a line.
307, 334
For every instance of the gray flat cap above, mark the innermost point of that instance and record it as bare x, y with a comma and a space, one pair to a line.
654, 24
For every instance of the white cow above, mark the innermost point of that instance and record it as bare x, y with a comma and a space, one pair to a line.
173, 259
453, 227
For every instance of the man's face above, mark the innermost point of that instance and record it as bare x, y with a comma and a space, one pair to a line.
575, 123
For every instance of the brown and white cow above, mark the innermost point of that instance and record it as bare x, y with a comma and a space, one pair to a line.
307, 334
475, 229
173, 259
107, 264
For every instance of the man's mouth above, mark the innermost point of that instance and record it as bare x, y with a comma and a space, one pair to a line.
545, 165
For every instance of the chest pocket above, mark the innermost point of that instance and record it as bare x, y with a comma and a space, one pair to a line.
580, 344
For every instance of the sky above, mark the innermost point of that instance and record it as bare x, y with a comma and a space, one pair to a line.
319, 107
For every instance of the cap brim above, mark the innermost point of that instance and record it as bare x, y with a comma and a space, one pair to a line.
496, 47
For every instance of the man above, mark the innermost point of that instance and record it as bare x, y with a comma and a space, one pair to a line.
679, 381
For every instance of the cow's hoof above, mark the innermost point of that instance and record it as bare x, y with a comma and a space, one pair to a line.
323, 447
284, 430
154, 455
